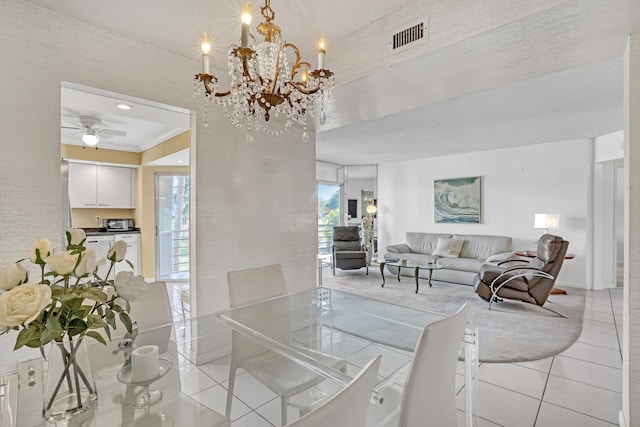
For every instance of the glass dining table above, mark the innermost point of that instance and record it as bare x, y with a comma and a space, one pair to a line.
295, 326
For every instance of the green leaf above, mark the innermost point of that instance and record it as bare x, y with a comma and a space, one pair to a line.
95, 294
126, 321
95, 321
96, 336
25, 336
53, 325
107, 330
110, 317
76, 327
53, 329
130, 264
100, 311
83, 311
56, 291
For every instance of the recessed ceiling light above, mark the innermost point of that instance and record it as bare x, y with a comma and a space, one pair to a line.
123, 106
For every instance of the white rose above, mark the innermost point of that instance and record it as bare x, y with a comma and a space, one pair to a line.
75, 236
23, 304
12, 275
117, 251
41, 250
128, 286
62, 262
88, 263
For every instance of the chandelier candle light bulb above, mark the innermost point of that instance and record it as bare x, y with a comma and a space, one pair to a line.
322, 49
245, 17
205, 48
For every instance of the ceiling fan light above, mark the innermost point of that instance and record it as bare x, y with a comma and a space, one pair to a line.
90, 139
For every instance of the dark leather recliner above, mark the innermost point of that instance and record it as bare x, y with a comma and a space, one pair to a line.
531, 282
348, 252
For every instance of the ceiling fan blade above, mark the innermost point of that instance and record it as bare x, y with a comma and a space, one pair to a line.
111, 132
72, 127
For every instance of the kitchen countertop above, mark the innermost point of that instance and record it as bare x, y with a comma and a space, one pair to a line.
103, 231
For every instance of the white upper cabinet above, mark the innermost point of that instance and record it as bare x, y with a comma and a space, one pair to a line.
114, 187
97, 186
82, 185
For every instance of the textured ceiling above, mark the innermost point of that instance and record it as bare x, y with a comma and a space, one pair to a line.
488, 74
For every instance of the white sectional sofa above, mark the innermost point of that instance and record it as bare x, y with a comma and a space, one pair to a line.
423, 248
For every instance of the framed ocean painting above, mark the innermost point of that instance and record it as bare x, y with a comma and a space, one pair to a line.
457, 200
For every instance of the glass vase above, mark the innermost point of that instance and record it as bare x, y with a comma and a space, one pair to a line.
69, 389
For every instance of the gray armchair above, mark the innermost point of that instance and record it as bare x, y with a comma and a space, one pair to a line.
348, 252
531, 282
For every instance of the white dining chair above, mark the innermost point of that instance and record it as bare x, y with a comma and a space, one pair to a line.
348, 407
151, 310
429, 393
278, 373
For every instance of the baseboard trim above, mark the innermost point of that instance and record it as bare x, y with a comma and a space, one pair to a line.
621, 420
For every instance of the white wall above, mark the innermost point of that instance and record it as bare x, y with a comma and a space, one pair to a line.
516, 184
255, 202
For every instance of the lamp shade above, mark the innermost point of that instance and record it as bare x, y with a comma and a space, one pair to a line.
372, 209
547, 221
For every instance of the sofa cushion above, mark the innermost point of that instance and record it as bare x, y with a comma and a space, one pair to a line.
448, 248
463, 264
482, 247
424, 243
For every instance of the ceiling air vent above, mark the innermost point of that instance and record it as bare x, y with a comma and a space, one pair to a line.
408, 35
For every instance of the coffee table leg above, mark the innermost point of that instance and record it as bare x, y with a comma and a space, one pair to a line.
399, 268
416, 274
430, 273
382, 273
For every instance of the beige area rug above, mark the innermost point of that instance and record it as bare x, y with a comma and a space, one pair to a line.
510, 332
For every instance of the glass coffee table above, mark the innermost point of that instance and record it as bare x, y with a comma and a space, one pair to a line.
408, 264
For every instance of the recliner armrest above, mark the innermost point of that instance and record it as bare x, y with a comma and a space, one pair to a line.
402, 248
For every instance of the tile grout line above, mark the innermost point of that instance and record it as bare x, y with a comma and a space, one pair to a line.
616, 325
544, 390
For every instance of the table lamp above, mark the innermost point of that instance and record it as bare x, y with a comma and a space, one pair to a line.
547, 221
372, 209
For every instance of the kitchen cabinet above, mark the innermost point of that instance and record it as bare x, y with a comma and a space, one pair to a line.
101, 246
99, 186
132, 255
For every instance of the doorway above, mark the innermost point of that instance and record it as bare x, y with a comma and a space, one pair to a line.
328, 215
172, 227
619, 222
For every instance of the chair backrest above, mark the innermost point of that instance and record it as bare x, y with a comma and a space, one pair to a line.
255, 284
550, 255
429, 396
346, 238
348, 407
252, 286
150, 311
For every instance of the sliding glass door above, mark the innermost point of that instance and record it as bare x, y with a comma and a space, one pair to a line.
172, 227
328, 214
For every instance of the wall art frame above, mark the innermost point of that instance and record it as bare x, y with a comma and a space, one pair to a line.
457, 200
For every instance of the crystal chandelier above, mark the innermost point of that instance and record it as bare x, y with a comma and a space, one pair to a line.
263, 83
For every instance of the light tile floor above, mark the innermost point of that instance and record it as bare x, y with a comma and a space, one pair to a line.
581, 386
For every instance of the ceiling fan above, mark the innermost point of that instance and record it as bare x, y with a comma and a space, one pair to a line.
92, 128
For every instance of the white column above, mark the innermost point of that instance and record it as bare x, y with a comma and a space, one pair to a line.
591, 156
630, 414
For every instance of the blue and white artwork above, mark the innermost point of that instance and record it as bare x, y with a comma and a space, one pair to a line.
457, 200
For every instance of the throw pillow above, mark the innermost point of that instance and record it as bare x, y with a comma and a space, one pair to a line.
448, 248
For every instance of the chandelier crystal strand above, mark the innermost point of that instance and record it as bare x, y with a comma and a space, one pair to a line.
263, 82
